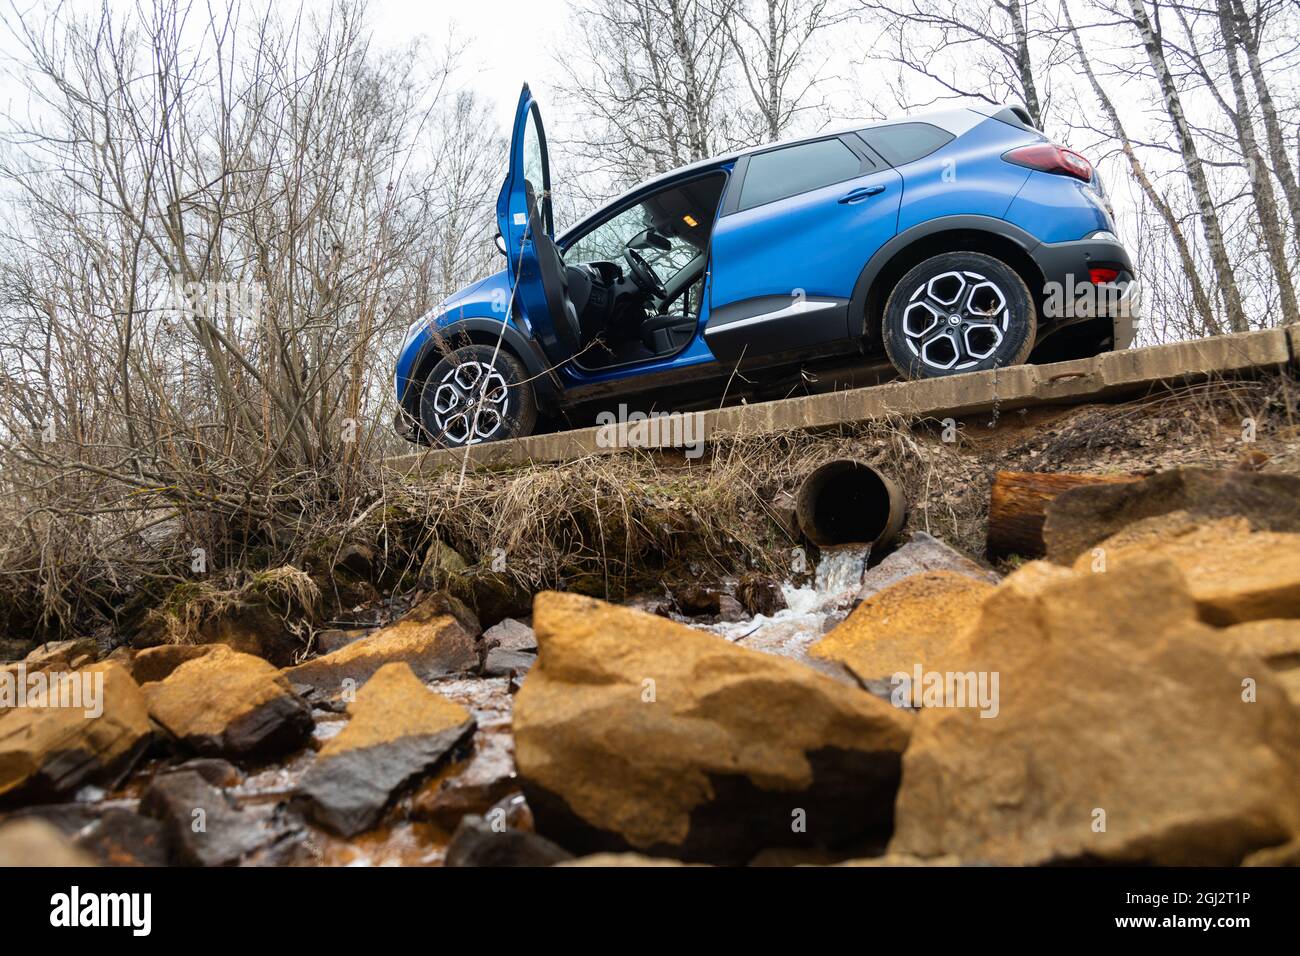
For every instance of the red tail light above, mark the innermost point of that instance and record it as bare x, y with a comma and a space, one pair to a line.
1051, 158
1100, 275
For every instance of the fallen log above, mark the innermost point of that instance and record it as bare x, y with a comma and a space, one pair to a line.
1018, 503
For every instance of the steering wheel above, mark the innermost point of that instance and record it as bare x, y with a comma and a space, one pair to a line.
643, 275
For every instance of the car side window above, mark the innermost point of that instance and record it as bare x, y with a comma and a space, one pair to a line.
780, 173
905, 142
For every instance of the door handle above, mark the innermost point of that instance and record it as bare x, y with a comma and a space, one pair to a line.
861, 193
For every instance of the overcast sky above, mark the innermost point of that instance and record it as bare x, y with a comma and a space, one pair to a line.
509, 42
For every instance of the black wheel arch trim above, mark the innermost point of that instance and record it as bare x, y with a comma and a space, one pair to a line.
539, 371
885, 254
1054, 260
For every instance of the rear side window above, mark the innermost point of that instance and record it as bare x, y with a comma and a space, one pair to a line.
796, 169
905, 142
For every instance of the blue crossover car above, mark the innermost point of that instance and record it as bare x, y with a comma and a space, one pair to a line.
926, 246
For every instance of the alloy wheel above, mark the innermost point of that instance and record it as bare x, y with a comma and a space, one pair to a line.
955, 320
469, 403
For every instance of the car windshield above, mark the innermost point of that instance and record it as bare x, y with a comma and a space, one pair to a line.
683, 214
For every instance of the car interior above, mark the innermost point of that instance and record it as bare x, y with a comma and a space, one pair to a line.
636, 279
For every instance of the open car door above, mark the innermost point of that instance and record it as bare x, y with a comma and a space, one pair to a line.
524, 218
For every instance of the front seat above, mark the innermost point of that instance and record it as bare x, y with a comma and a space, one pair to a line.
667, 333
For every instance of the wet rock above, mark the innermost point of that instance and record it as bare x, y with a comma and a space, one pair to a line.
510, 635
697, 600
760, 594
255, 629
48, 751
1234, 573
729, 609
920, 554
637, 732
503, 663
920, 619
346, 593
441, 564
489, 777
220, 773
399, 731
327, 642
1080, 519
659, 604
358, 559
203, 827
1121, 734
157, 663
34, 842
121, 837
63, 655
232, 705
478, 842
429, 639
494, 595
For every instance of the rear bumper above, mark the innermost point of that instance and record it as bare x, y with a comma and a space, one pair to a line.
1069, 295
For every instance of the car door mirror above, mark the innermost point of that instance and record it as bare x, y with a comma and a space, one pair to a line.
501, 244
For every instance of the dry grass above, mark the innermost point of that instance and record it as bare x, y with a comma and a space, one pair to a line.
615, 525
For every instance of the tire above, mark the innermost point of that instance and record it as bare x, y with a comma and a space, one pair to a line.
454, 409
958, 312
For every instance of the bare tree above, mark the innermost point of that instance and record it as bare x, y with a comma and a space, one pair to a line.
217, 228
772, 40
1207, 323
648, 80
994, 51
1154, 47
1249, 28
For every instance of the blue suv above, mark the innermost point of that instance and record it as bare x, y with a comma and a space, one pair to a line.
927, 246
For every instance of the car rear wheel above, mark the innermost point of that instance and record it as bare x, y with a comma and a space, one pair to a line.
478, 393
958, 312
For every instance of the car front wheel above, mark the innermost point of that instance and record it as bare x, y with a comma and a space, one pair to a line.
958, 312
478, 393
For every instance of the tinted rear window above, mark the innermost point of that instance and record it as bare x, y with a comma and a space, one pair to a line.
796, 169
905, 142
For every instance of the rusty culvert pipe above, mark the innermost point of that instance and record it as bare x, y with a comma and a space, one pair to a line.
849, 502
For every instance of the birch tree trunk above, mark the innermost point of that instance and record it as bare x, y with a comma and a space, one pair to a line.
1261, 186
1200, 300
1282, 168
1210, 224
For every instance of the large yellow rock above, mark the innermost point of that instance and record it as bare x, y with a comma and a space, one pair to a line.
1276, 642
48, 751
430, 638
36, 842
1081, 518
1123, 734
633, 731
399, 731
921, 619
230, 704
1235, 573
